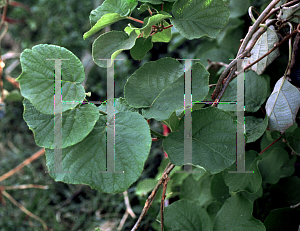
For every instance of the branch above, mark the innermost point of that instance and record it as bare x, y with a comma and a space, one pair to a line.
150, 199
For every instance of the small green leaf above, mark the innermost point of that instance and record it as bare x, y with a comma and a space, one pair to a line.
275, 165
255, 127
121, 7
110, 45
104, 21
140, 48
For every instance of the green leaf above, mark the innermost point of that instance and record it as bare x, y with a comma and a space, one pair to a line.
294, 141
255, 127
87, 158
121, 7
172, 122
255, 93
110, 45
249, 182
194, 19
140, 48
219, 190
197, 191
73, 130
158, 87
185, 215
214, 141
163, 36
37, 78
104, 21
263, 45
151, 21
236, 214
286, 12
275, 165
283, 105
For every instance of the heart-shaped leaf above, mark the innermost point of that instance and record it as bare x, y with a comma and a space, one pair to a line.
214, 140
37, 78
87, 158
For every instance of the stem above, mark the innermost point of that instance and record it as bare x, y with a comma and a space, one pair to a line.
168, 26
160, 136
270, 145
134, 19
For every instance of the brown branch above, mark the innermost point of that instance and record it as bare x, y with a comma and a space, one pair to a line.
256, 25
25, 186
162, 203
150, 199
20, 166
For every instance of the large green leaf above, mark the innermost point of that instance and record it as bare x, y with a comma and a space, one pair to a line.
73, 130
283, 105
249, 182
158, 87
121, 7
214, 140
185, 215
236, 214
194, 19
87, 158
110, 45
37, 78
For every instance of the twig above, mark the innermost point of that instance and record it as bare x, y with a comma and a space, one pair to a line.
24, 163
24, 209
162, 203
270, 145
256, 25
278, 8
134, 19
26, 186
150, 199
128, 211
295, 206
